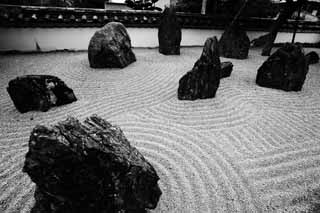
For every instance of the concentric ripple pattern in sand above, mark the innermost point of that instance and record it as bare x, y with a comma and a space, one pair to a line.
250, 149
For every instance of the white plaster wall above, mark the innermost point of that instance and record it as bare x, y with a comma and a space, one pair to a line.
24, 39
287, 37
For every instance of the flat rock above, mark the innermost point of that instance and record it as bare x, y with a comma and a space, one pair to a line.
39, 92
169, 33
285, 69
204, 78
226, 69
234, 43
88, 167
110, 47
312, 57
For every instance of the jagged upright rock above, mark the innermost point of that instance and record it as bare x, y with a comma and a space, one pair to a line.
88, 167
39, 92
169, 33
312, 57
234, 43
110, 47
285, 69
204, 78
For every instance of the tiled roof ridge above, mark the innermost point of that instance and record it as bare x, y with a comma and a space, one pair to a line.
37, 16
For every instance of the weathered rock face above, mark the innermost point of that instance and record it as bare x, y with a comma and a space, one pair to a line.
110, 47
169, 33
39, 92
234, 43
89, 167
204, 79
312, 57
285, 69
226, 69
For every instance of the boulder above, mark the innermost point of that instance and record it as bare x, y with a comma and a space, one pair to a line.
234, 43
312, 57
88, 167
226, 69
285, 69
169, 33
204, 78
110, 47
39, 92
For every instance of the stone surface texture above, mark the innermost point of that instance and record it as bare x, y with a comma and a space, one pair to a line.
89, 167
285, 69
312, 57
234, 43
110, 47
226, 69
204, 78
169, 33
39, 92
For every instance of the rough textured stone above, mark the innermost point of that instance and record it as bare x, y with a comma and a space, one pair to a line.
312, 57
204, 79
234, 43
89, 167
169, 33
39, 92
285, 69
110, 47
226, 69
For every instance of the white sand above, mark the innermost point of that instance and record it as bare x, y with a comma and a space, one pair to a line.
250, 149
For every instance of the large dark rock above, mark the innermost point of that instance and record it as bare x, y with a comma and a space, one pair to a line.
169, 33
89, 167
285, 69
226, 69
110, 47
204, 78
39, 92
312, 57
234, 43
